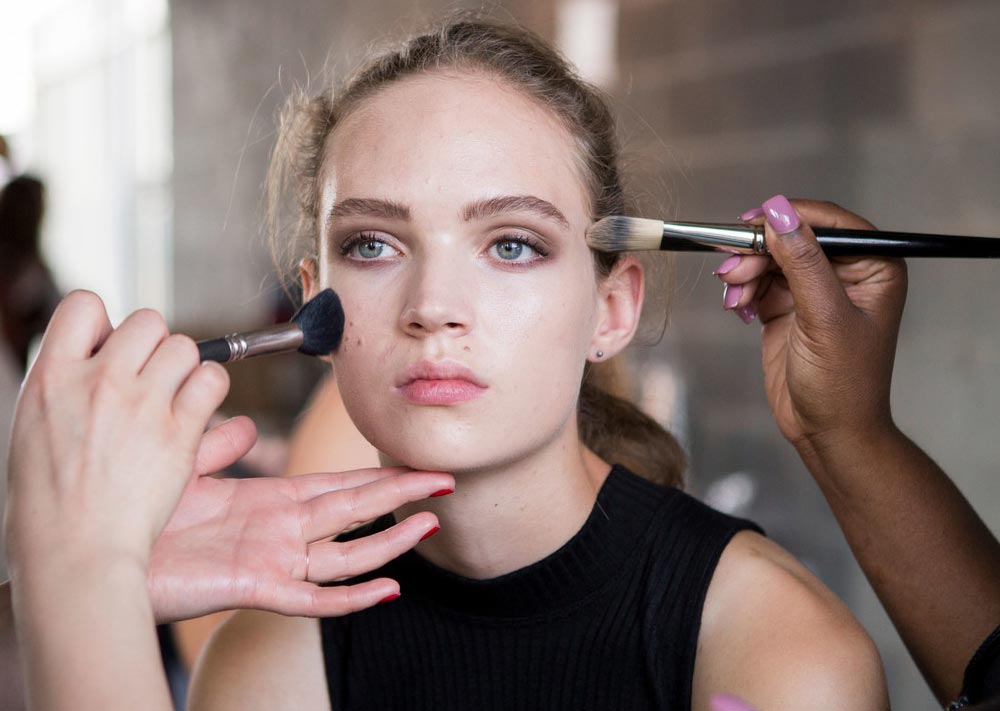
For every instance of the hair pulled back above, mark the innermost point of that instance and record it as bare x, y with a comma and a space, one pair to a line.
609, 425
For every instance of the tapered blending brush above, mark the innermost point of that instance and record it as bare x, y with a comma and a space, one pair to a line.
630, 234
315, 329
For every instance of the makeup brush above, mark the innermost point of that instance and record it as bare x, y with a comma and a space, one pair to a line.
629, 234
315, 329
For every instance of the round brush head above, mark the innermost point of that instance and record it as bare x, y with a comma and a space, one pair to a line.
322, 322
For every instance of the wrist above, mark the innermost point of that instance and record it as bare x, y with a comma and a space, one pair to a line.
833, 450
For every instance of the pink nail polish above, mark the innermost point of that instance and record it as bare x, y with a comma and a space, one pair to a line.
725, 702
728, 265
748, 313
781, 215
751, 214
732, 295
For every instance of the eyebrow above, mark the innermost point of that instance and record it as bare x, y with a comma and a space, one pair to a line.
478, 210
491, 207
369, 207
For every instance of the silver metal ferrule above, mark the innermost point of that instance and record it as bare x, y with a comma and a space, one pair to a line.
745, 239
286, 337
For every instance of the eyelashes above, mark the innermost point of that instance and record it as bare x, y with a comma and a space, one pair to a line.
507, 248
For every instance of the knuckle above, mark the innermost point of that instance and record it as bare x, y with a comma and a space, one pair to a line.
184, 347
149, 319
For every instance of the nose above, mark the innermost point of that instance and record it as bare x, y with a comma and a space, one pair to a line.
439, 299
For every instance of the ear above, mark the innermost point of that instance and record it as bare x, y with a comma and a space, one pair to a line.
309, 274
620, 298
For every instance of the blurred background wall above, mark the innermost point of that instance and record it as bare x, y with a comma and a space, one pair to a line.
151, 123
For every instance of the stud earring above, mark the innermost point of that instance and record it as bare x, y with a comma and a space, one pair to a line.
600, 354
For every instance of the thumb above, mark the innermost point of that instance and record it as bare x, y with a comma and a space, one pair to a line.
818, 294
224, 444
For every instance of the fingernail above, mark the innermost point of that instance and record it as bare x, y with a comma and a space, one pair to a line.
442, 492
732, 295
430, 533
389, 598
751, 214
725, 702
728, 265
748, 313
781, 215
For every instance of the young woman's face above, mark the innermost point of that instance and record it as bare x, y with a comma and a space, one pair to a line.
453, 217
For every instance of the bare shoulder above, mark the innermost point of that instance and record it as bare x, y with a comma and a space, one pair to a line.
261, 660
773, 634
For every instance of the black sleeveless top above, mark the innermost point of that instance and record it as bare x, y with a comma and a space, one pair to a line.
608, 621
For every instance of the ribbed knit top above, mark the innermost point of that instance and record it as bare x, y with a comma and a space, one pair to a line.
608, 621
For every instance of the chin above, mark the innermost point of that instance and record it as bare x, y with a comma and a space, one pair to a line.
454, 451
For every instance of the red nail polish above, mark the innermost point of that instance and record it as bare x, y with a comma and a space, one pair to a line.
430, 533
443, 492
388, 598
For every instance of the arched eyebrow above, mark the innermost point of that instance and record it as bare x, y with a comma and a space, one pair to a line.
369, 207
478, 210
491, 207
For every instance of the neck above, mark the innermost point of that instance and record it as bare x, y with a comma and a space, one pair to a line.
506, 517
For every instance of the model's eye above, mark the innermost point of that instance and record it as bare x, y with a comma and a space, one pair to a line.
515, 249
366, 247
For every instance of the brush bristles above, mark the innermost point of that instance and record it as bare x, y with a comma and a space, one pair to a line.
322, 322
625, 234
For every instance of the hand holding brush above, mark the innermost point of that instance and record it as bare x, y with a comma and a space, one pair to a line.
315, 329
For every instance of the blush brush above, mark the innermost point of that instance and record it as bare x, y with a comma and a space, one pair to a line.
629, 234
315, 329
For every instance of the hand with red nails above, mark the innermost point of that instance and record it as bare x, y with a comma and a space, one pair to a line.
112, 521
829, 327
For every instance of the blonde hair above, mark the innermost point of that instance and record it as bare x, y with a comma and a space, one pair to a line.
609, 425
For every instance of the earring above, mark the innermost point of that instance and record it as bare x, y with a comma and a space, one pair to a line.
600, 354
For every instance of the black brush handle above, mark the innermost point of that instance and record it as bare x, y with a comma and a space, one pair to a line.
216, 349
871, 243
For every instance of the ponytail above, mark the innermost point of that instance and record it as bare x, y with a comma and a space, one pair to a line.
619, 432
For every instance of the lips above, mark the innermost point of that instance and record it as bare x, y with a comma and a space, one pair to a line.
439, 383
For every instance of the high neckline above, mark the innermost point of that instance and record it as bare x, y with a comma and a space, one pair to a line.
623, 510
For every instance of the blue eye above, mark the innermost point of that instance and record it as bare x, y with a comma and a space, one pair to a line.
515, 249
367, 248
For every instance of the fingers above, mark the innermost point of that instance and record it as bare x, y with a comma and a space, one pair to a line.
78, 327
130, 346
302, 599
818, 293
329, 514
333, 561
746, 280
312, 485
201, 395
224, 444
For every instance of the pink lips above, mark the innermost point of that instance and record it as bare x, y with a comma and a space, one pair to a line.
439, 383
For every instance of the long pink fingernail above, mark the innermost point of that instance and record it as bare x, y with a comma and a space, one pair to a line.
728, 265
725, 702
748, 313
752, 214
781, 215
732, 295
